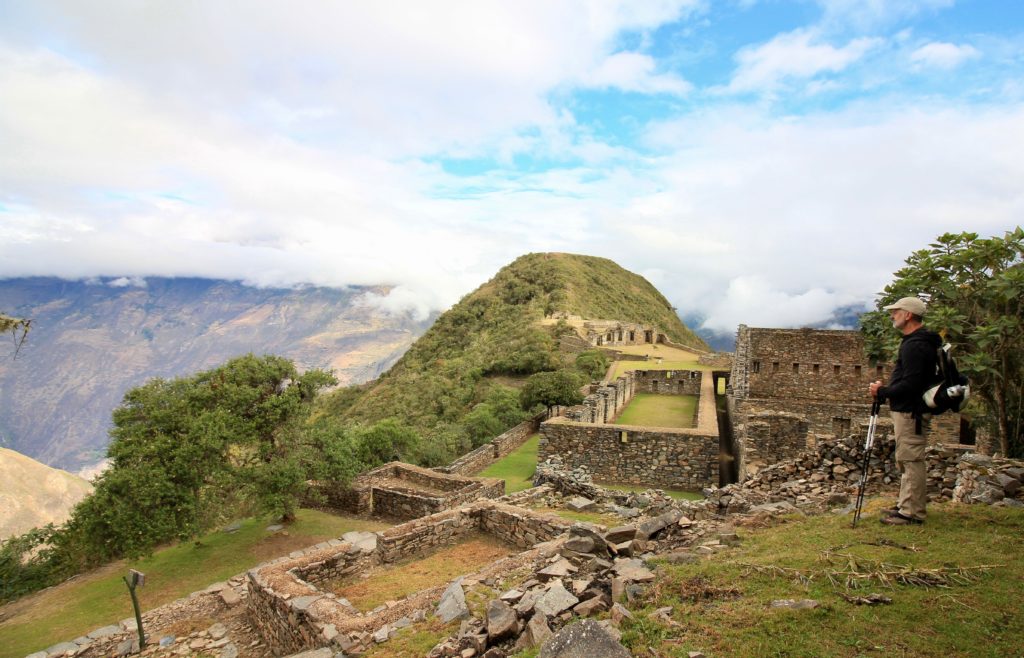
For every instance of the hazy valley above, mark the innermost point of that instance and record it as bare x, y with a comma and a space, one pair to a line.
90, 342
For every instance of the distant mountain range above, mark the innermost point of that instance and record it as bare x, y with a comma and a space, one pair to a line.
92, 341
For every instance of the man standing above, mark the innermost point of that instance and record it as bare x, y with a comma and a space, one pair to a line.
913, 374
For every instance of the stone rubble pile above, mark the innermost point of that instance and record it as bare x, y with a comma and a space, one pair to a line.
595, 571
829, 475
813, 482
570, 482
989, 481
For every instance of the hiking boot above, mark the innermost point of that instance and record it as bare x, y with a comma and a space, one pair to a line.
899, 519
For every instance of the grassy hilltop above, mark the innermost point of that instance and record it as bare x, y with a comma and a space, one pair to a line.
493, 338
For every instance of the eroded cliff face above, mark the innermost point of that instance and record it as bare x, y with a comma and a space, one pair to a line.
92, 341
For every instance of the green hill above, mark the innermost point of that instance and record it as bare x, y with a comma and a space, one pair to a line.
494, 337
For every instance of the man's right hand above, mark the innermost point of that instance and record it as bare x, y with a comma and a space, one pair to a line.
873, 388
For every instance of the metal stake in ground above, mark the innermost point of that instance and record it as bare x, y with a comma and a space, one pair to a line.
132, 580
868, 443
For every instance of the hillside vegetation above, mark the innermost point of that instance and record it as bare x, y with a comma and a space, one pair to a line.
493, 337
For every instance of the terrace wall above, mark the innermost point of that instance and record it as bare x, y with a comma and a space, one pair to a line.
666, 457
500, 446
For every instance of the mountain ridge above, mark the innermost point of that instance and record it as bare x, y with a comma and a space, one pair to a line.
92, 341
495, 334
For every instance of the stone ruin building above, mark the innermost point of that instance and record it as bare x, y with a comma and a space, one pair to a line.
791, 388
675, 458
609, 333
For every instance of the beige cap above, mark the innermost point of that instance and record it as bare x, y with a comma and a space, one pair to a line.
912, 304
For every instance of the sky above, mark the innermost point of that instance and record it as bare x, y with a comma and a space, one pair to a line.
763, 162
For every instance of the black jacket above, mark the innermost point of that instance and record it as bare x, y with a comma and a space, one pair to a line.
914, 372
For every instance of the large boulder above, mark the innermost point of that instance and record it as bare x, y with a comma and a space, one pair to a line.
556, 600
453, 603
586, 639
501, 622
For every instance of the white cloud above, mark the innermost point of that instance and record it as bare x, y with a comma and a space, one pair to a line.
753, 301
128, 282
388, 77
943, 55
830, 203
301, 144
634, 72
797, 55
868, 14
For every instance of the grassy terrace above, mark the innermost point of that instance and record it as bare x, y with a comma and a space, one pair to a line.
366, 591
653, 410
661, 358
99, 597
722, 606
517, 468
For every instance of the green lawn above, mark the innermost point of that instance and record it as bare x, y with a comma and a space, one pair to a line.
99, 598
517, 468
653, 410
661, 358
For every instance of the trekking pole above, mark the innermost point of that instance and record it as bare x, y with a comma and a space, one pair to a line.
868, 443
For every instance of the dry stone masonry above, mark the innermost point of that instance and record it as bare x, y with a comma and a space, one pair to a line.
501, 446
402, 491
815, 375
683, 458
293, 614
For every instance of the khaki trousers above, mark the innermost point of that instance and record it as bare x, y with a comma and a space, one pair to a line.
910, 458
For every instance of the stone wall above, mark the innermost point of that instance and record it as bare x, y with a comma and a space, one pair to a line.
613, 332
660, 457
772, 436
418, 536
668, 382
605, 403
500, 446
819, 375
805, 364
519, 527
664, 457
404, 491
293, 615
